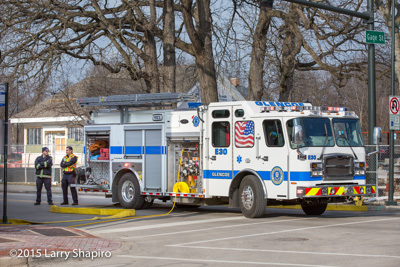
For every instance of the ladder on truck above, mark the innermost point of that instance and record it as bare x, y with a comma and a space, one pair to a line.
137, 100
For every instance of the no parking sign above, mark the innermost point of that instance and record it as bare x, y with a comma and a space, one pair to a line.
394, 113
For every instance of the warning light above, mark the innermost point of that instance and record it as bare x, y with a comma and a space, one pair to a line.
127, 165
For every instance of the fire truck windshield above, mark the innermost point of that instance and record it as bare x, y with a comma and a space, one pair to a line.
347, 132
317, 132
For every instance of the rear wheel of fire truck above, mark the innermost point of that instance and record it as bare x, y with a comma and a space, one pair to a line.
314, 207
129, 192
251, 197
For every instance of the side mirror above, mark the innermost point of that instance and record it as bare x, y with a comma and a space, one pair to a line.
297, 134
377, 139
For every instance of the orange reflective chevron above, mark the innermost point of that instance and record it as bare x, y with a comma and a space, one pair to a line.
373, 189
315, 191
336, 191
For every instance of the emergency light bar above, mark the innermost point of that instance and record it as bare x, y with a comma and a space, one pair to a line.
339, 110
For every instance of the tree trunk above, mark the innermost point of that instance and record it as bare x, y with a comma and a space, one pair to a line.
397, 56
259, 47
289, 51
386, 11
151, 64
169, 47
207, 79
201, 38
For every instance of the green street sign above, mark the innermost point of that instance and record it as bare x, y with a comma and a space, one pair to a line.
373, 37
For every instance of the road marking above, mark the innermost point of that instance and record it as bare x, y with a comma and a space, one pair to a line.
214, 228
163, 225
280, 232
243, 263
295, 252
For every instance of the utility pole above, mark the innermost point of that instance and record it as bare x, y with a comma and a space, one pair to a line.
371, 77
5, 88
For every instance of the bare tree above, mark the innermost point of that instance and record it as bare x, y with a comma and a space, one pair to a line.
385, 8
198, 23
258, 50
37, 34
169, 47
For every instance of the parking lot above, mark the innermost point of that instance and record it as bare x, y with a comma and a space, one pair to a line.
218, 236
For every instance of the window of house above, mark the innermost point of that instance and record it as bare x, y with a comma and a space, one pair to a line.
221, 134
273, 133
34, 136
75, 133
244, 134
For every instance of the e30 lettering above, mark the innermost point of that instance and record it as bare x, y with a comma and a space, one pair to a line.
221, 151
312, 157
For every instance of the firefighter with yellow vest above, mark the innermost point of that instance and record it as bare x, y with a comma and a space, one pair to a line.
68, 164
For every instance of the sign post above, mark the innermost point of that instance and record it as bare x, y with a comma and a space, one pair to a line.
394, 125
4, 102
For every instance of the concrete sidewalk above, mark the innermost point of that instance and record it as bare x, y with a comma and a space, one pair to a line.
19, 244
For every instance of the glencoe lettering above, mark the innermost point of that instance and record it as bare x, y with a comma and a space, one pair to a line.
220, 174
278, 104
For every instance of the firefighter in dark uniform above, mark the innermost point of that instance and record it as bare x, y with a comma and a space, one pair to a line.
43, 165
68, 164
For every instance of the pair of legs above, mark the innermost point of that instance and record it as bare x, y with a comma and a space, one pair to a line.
66, 182
39, 186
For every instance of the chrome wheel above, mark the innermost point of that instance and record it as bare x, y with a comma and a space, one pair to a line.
127, 191
247, 197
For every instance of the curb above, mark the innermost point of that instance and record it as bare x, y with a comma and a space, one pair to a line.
383, 208
13, 262
346, 207
93, 211
330, 207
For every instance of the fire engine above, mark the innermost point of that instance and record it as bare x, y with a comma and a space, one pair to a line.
248, 154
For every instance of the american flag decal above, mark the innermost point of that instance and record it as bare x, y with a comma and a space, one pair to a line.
244, 134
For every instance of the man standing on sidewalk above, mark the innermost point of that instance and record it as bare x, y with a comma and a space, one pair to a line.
68, 164
43, 165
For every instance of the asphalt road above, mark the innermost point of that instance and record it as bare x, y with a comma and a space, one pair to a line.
218, 236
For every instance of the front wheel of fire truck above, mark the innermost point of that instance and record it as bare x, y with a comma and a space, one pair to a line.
251, 197
129, 192
314, 207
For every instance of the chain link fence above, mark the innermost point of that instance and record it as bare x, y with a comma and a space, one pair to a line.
378, 169
21, 161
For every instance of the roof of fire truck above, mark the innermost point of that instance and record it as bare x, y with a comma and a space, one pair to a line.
287, 109
251, 108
